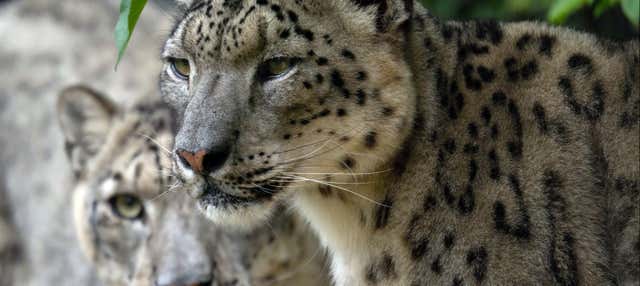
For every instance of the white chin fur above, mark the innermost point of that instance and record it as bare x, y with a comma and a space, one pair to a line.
241, 217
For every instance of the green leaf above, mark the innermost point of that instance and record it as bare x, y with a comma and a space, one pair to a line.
130, 11
631, 9
562, 9
602, 6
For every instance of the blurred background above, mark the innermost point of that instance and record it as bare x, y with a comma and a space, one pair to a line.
47, 45
50, 44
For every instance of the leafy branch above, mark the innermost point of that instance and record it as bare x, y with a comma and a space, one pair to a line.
130, 11
562, 9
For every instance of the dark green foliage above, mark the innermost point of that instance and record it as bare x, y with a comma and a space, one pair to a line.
615, 19
604, 17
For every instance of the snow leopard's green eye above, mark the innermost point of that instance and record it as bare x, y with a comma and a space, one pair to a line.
278, 66
180, 67
275, 68
127, 206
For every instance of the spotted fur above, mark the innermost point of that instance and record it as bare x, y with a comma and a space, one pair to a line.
421, 152
121, 151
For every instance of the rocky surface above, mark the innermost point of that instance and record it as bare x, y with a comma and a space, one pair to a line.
47, 45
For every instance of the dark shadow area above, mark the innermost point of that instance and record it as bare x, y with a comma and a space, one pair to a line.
11, 252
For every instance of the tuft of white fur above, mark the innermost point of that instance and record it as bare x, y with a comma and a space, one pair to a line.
338, 228
242, 218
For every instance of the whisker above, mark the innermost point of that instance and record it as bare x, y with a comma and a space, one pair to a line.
331, 182
164, 171
264, 190
302, 146
311, 154
340, 174
308, 154
325, 141
162, 194
156, 142
344, 189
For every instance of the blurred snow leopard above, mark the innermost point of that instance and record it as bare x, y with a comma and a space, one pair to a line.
136, 231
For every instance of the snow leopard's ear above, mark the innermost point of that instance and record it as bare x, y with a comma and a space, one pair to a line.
85, 118
385, 15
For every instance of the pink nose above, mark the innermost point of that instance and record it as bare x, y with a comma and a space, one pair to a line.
193, 160
204, 161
